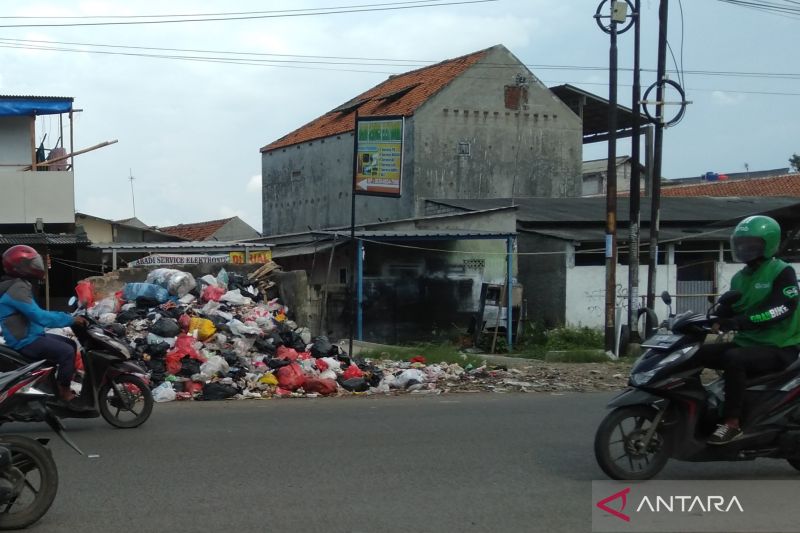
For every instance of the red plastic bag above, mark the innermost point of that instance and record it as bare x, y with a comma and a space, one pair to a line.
303, 356
320, 386
85, 294
183, 348
418, 359
322, 366
290, 377
78, 361
212, 293
284, 352
352, 372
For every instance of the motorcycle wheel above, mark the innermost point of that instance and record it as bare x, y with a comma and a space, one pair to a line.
619, 447
127, 406
35, 477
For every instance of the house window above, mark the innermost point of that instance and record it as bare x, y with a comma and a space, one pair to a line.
296, 173
463, 148
475, 265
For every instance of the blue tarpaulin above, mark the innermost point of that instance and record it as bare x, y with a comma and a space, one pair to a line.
21, 106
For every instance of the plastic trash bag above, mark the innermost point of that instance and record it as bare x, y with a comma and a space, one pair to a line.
184, 347
304, 334
212, 293
218, 391
107, 318
324, 387
322, 347
269, 379
85, 294
352, 372
284, 352
409, 377
356, 385
133, 291
327, 374
202, 328
215, 365
238, 328
291, 377
104, 306
222, 278
164, 392
165, 327
333, 364
187, 299
235, 297
178, 283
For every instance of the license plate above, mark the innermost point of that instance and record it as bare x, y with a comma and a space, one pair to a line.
663, 340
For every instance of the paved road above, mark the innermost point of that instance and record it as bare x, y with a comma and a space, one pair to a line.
468, 462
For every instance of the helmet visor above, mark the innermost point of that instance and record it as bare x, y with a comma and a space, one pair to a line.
746, 249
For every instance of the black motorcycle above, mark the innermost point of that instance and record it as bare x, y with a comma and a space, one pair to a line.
668, 412
28, 474
112, 386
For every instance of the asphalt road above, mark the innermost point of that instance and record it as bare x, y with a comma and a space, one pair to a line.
461, 462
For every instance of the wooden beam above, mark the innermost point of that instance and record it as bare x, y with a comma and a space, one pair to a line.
63, 157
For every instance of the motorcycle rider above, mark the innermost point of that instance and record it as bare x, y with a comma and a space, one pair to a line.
23, 322
765, 318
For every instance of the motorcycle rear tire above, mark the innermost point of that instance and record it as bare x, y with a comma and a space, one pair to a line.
105, 408
31, 451
602, 451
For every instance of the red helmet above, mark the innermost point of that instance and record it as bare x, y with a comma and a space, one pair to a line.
23, 262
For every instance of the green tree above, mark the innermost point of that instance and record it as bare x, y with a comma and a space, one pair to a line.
794, 161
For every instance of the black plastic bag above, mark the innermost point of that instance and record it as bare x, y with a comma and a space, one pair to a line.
355, 384
165, 327
274, 364
265, 346
126, 316
230, 357
321, 347
157, 351
189, 367
218, 391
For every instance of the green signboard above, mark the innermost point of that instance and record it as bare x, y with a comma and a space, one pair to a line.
378, 165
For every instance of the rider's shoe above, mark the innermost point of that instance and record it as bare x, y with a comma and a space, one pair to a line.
724, 434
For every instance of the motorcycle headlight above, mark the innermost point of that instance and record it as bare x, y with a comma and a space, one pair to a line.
642, 378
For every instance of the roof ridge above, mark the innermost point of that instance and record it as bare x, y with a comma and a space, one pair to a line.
741, 180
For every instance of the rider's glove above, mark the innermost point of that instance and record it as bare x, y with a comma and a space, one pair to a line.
728, 324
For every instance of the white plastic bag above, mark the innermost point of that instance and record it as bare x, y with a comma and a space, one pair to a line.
235, 297
333, 364
164, 392
238, 328
106, 305
412, 374
214, 365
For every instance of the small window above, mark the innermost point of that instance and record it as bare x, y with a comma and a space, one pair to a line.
296, 173
463, 148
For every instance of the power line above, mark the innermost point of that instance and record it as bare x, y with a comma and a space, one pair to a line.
38, 44
322, 11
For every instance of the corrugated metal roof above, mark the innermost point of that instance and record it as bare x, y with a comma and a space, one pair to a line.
178, 247
32, 97
601, 165
665, 234
423, 234
304, 249
693, 209
54, 239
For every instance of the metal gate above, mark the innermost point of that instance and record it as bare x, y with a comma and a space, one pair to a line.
693, 296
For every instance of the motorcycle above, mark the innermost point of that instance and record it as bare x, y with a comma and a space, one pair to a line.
28, 474
667, 412
112, 386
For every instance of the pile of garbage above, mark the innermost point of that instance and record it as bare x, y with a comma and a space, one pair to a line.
231, 336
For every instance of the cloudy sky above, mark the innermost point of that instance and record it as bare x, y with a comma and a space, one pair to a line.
190, 130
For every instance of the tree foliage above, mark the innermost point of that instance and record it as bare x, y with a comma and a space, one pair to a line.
794, 161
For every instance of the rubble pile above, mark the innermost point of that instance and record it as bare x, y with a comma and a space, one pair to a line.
230, 336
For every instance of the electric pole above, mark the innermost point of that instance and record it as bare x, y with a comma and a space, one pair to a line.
133, 197
635, 188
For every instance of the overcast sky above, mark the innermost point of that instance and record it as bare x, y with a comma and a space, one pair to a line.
191, 130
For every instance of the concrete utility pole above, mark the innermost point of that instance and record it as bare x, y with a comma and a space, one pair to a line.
634, 214
655, 188
618, 15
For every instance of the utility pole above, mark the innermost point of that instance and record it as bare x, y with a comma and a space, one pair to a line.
655, 187
635, 214
133, 197
618, 15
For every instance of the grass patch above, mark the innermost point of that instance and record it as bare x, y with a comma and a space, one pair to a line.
576, 356
568, 345
433, 353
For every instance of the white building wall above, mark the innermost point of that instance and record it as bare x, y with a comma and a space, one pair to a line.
586, 292
27, 196
726, 271
15, 141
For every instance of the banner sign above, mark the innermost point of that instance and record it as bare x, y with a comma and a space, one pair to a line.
164, 259
236, 258
378, 165
256, 258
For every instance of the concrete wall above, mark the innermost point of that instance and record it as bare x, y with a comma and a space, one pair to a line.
595, 183
544, 278
726, 271
236, 229
27, 196
96, 230
532, 151
585, 291
15, 141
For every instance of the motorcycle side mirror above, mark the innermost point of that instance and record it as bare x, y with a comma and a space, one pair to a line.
666, 298
729, 298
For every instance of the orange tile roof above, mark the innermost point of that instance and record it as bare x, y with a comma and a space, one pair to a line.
198, 231
399, 95
787, 185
